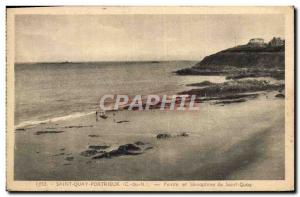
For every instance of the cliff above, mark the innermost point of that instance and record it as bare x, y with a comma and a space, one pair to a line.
241, 61
244, 56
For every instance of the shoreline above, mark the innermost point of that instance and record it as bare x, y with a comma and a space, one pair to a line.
205, 91
198, 156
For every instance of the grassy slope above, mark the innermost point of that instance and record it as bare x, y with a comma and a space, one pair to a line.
241, 61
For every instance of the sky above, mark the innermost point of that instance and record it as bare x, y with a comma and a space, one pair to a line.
55, 38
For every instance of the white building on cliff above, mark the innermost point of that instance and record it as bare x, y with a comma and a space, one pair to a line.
257, 42
276, 42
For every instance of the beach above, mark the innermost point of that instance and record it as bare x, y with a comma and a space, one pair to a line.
239, 141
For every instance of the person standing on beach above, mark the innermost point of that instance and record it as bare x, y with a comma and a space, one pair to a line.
96, 115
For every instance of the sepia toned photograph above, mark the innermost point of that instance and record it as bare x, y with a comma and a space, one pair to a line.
150, 99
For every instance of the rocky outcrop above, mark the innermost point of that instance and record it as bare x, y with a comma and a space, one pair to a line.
242, 61
232, 89
163, 136
166, 135
236, 57
100, 151
47, 132
280, 95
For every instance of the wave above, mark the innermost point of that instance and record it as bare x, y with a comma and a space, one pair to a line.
55, 119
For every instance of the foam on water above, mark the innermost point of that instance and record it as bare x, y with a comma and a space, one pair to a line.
71, 116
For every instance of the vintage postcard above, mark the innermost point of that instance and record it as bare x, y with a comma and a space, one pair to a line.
150, 99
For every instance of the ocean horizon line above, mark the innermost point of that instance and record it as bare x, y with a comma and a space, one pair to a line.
106, 61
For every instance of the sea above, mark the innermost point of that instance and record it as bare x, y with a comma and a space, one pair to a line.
57, 91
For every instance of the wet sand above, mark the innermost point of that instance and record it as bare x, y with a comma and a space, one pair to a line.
237, 141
